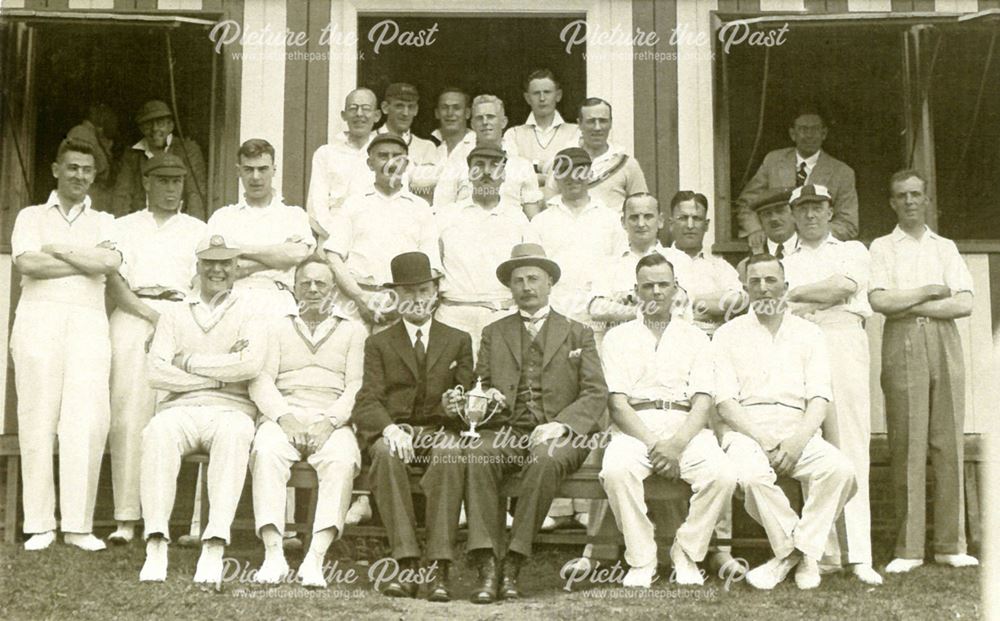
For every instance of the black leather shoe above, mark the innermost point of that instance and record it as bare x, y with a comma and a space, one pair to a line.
398, 588
508, 583
440, 588
489, 578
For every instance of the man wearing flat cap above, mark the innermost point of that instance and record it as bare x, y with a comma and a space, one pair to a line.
156, 122
203, 355
400, 106
158, 269
401, 419
548, 373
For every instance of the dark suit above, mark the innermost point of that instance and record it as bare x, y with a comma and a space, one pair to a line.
573, 392
777, 172
388, 393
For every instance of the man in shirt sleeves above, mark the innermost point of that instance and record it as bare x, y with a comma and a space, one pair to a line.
660, 375
922, 285
772, 381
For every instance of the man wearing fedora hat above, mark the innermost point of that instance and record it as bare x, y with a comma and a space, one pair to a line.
548, 372
156, 122
400, 417
203, 355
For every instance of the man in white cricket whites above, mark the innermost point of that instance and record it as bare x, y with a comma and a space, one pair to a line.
400, 106
306, 393
158, 270
772, 382
203, 354
63, 250
660, 377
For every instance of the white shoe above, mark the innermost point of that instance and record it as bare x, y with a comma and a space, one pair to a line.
767, 576
685, 570
84, 541
40, 541
807, 574
311, 572
272, 571
155, 567
903, 565
865, 573
123, 535
956, 560
726, 567
548, 523
359, 511
641, 577
209, 569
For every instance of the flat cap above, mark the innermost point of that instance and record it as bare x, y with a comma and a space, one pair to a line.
772, 199
401, 90
810, 193
164, 165
387, 137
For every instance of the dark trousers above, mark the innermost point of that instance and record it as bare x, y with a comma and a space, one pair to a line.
443, 485
543, 469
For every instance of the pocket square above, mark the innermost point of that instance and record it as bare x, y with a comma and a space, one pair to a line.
454, 363
576, 353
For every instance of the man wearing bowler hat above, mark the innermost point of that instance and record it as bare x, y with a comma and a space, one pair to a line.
549, 377
156, 122
401, 418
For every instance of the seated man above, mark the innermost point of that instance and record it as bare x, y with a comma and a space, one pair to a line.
549, 375
772, 381
400, 416
203, 355
659, 375
306, 393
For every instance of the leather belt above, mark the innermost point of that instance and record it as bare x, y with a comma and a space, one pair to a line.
920, 321
660, 404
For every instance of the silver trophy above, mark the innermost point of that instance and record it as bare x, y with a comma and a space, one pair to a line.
476, 407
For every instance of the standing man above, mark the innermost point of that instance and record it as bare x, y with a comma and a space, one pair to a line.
400, 106
660, 377
613, 174
520, 185
711, 284
157, 272
828, 284
272, 237
476, 236
548, 374
792, 167
63, 250
373, 227
203, 355
400, 416
339, 168
545, 133
453, 137
100, 130
772, 380
922, 285
156, 122
306, 393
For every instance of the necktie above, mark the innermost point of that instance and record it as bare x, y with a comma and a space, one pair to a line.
779, 252
419, 352
800, 175
533, 325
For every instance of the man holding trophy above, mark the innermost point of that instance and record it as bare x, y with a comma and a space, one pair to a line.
400, 416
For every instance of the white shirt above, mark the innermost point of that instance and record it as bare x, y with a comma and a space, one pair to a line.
339, 169
805, 265
674, 368
580, 243
158, 256
786, 246
900, 261
44, 224
277, 223
143, 146
544, 136
753, 367
372, 228
520, 185
422, 154
537, 318
617, 276
451, 164
810, 162
425, 330
474, 241
702, 274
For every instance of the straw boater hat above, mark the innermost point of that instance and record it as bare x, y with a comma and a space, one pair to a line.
527, 254
411, 268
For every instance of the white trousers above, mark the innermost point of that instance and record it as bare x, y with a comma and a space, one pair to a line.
826, 471
703, 465
224, 433
132, 405
62, 360
337, 462
848, 427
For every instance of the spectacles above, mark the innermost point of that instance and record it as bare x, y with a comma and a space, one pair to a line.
365, 109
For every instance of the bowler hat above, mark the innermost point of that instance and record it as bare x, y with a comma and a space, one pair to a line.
411, 268
522, 255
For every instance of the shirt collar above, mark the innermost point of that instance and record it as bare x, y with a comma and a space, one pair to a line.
407, 135
469, 135
143, 146
557, 201
700, 255
898, 234
425, 330
276, 200
655, 248
83, 205
343, 140
541, 313
787, 245
810, 161
557, 120
829, 239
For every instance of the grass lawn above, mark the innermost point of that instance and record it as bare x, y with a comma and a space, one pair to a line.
63, 582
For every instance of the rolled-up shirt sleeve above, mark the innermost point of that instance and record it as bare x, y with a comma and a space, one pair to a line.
701, 379
25, 237
818, 381
881, 266
341, 232
615, 359
726, 382
956, 273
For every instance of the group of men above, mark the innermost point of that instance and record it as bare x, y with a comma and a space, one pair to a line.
274, 334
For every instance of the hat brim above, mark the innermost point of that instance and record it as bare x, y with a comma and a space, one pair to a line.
435, 275
505, 269
153, 117
167, 172
218, 254
757, 208
802, 200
